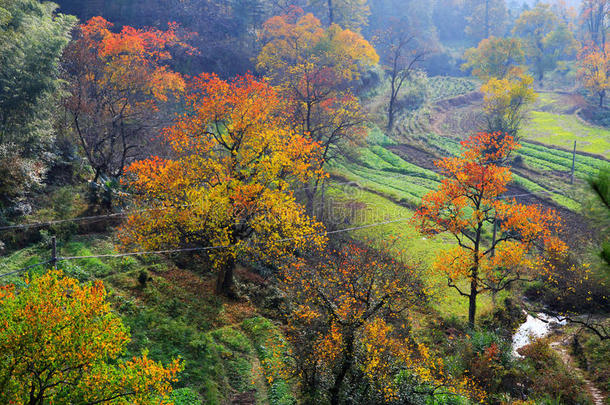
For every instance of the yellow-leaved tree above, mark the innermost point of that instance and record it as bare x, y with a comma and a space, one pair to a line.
313, 67
347, 326
59, 344
228, 184
506, 100
494, 57
594, 70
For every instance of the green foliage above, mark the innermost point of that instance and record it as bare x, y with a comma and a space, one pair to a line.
185, 396
32, 38
548, 378
547, 39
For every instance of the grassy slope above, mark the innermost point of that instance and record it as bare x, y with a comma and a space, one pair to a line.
225, 345
406, 242
389, 184
555, 122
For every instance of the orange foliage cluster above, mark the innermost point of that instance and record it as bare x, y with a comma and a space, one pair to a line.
118, 81
594, 70
229, 183
467, 204
58, 341
132, 57
313, 68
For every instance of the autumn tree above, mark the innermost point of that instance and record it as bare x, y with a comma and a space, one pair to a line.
313, 67
347, 334
494, 58
595, 19
486, 18
468, 203
118, 82
229, 184
59, 343
506, 101
594, 71
401, 52
546, 39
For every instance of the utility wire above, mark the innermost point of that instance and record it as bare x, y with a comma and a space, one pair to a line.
195, 249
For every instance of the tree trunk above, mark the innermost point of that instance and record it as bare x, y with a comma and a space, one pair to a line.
487, 19
331, 14
601, 99
224, 283
391, 114
472, 305
335, 390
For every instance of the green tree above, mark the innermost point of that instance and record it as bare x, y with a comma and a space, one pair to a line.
32, 39
546, 39
494, 57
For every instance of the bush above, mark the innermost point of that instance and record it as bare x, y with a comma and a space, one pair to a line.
544, 373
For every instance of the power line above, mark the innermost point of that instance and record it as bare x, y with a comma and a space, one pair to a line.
118, 255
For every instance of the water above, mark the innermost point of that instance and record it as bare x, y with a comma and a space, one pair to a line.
534, 328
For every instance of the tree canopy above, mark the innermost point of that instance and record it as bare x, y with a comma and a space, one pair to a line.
60, 341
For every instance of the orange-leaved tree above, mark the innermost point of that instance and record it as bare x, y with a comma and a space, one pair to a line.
228, 184
468, 203
594, 70
346, 325
313, 68
117, 83
59, 343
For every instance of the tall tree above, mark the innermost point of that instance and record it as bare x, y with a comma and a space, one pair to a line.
401, 52
59, 343
229, 183
546, 39
350, 14
494, 57
594, 71
467, 204
117, 82
342, 328
506, 101
32, 39
594, 17
313, 68
486, 18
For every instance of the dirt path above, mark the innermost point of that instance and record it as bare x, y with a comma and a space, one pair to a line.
560, 347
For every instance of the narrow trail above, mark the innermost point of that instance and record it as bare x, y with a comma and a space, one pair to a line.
560, 347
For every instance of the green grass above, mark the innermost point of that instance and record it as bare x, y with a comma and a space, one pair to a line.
562, 130
174, 315
408, 244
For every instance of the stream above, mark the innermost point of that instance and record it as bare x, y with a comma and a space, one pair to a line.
534, 328
540, 326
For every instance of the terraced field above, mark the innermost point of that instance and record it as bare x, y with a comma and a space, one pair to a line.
393, 173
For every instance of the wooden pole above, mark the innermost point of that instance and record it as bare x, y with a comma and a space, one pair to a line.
573, 164
54, 252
